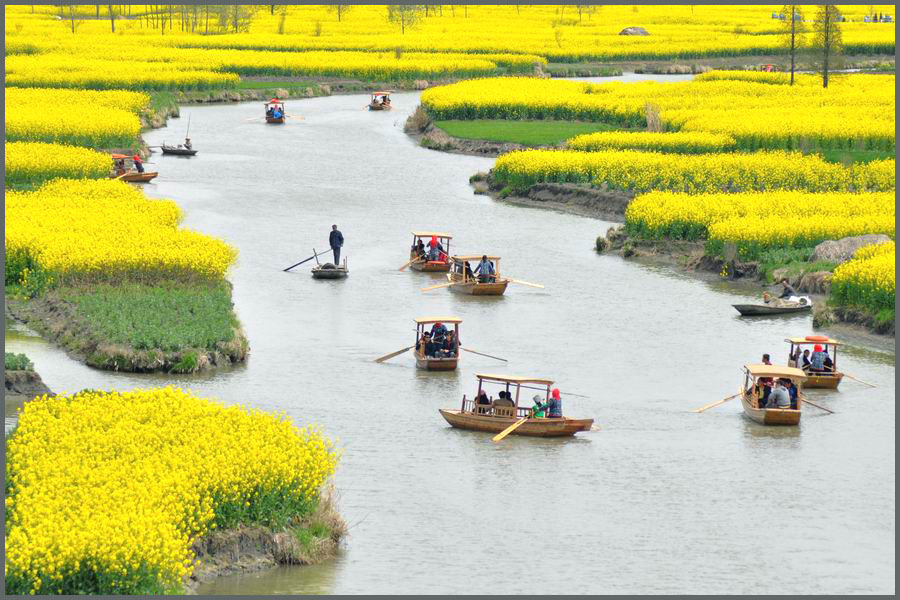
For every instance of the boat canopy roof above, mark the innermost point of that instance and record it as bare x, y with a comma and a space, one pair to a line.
432, 234
383, 93
803, 340
421, 320
475, 257
119, 156
515, 378
760, 370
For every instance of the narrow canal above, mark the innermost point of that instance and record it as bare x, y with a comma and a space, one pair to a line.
659, 500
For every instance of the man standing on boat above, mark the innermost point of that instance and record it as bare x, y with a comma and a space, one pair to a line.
336, 241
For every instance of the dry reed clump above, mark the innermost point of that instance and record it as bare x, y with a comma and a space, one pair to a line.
418, 122
654, 123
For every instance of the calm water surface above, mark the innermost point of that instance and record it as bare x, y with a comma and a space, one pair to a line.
660, 500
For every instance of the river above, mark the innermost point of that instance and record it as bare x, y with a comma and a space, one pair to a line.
659, 500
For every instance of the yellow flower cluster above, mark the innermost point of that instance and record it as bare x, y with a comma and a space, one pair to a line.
106, 491
92, 229
684, 142
754, 236
561, 33
639, 172
33, 162
79, 117
685, 216
868, 279
854, 112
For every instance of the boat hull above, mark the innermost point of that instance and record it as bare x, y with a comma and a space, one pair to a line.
275, 120
178, 151
480, 289
431, 266
437, 364
771, 416
336, 273
137, 177
824, 382
757, 310
379, 107
532, 427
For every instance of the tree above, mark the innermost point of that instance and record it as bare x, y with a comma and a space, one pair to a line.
112, 16
827, 42
340, 9
585, 9
793, 30
407, 15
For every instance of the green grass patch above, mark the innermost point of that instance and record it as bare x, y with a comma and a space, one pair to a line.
795, 260
847, 157
18, 362
167, 317
884, 317
527, 133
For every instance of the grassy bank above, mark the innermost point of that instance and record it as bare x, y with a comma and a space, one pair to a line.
18, 362
170, 326
527, 133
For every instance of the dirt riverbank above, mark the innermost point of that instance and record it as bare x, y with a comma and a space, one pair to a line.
24, 384
307, 541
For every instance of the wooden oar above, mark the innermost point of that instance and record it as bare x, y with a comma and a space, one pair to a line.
483, 354
392, 354
828, 410
537, 285
859, 380
716, 403
415, 260
442, 285
315, 255
509, 429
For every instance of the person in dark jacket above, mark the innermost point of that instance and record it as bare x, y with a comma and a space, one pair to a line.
336, 241
787, 290
554, 405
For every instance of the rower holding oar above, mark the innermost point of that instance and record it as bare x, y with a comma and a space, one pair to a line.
336, 241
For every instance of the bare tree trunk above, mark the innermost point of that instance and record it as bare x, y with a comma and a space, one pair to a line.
72, 15
339, 12
826, 48
97, 6
112, 17
207, 19
793, 42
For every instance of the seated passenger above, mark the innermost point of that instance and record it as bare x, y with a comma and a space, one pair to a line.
420, 248
780, 397
504, 399
469, 273
539, 408
483, 398
422, 341
432, 348
792, 392
817, 360
804, 361
554, 405
435, 249
485, 270
449, 346
829, 364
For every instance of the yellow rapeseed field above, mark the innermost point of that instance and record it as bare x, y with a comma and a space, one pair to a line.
33, 162
106, 229
80, 117
854, 112
639, 172
683, 142
106, 491
868, 279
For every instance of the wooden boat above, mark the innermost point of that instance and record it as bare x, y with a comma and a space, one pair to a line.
275, 111
757, 310
135, 177
123, 169
464, 282
501, 413
751, 390
430, 266
431, 363
829, 379
384, 103
330, 271
178, 150
776, 306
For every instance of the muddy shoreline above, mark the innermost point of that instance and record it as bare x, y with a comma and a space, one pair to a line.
245, 549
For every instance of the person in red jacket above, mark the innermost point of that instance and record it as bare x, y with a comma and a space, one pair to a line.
138, 163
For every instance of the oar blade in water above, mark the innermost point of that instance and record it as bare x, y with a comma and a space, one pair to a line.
392, 354
434, 287
519, 281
